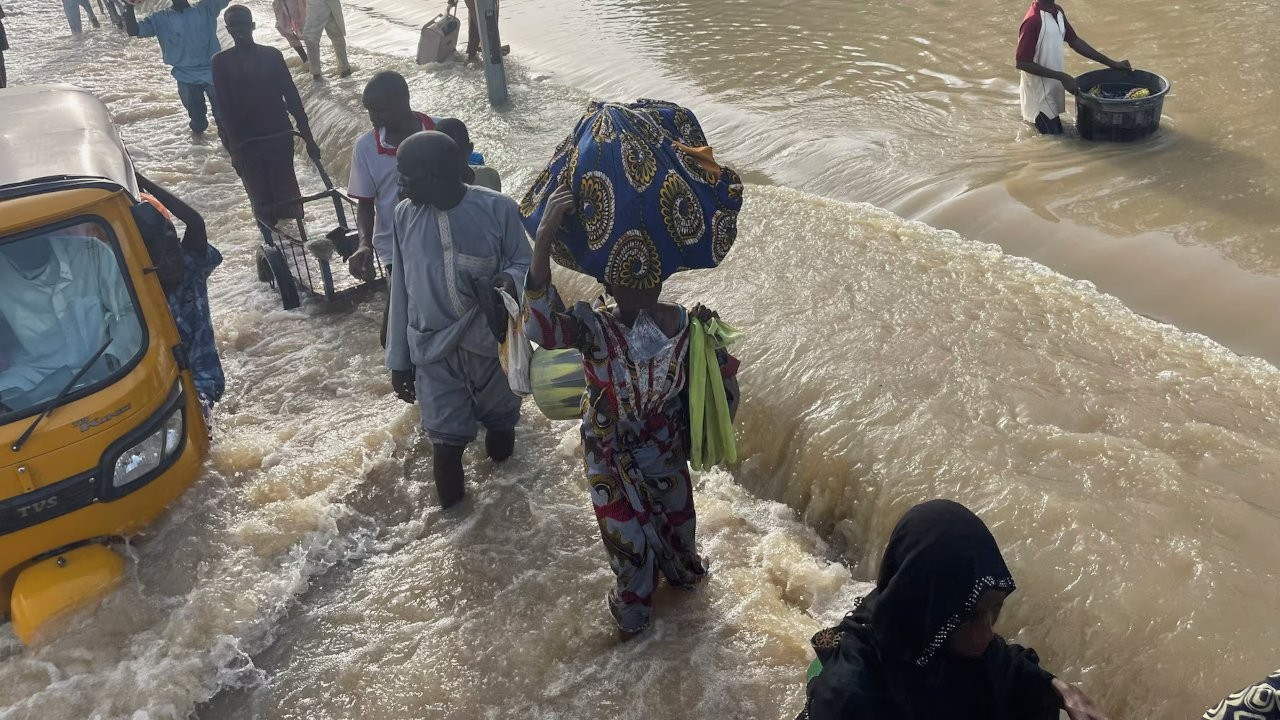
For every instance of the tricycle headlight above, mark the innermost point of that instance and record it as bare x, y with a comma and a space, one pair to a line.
147, 455
173, 433
139, 459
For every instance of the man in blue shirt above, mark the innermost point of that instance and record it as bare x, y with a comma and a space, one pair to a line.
188, 38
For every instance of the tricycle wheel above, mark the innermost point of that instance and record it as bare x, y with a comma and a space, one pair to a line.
283, 279
264, 269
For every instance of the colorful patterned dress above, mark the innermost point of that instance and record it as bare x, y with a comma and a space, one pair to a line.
1256, 702
635, 439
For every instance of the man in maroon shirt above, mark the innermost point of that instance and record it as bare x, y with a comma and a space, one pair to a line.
1042, 61
256, 95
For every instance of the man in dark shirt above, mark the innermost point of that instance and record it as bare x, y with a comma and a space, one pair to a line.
256, 95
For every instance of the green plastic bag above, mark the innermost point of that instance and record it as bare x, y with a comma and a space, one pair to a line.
710, 425
815, 668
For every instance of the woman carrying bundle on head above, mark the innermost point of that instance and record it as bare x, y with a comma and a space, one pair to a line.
631, 230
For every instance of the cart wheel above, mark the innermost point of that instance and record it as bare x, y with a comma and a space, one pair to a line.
284, 281
264, 269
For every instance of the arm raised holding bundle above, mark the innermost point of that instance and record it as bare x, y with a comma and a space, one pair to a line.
546, 326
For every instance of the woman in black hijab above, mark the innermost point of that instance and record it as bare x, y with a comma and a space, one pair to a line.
921, 644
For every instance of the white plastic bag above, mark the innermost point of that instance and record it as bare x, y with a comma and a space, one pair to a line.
515, 353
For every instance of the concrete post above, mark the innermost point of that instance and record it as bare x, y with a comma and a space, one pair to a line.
495, 75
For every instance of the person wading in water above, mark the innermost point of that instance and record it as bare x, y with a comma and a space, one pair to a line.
1041, 60
374, 179
188, 36
922, 644
452, 244
256, 96
635, 427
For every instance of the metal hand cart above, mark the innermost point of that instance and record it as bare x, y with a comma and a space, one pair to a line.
294, 263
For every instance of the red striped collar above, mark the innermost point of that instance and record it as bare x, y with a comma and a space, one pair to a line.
379, 133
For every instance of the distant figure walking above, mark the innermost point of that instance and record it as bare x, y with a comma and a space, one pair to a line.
473, 29
325, 16
4, 45
290, 17
188, 36
256, 96
453, 244
72, 10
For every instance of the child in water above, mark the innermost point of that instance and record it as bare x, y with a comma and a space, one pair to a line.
635, 424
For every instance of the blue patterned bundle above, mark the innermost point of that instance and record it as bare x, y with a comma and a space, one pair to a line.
652, 201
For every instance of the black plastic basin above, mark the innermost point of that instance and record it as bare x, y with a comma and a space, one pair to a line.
1100, 118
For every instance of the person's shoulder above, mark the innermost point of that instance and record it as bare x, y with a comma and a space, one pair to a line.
593, 318
406, 210
275, 57
485, 193
492, 198
364, 148
852, 678
487, 177
73, 246
365, 142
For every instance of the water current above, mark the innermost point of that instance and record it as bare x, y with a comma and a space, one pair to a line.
1127, 467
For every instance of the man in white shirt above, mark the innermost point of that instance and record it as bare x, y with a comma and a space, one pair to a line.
1041, 60
374, 181
62, 297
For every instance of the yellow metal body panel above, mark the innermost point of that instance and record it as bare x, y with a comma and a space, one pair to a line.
48, 589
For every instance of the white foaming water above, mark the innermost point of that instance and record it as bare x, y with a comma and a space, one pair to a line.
1126, 468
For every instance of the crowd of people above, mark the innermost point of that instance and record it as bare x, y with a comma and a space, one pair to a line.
922, 644
187, 34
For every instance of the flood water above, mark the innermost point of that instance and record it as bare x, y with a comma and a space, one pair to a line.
937, 303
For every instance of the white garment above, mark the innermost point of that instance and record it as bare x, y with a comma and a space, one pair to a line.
374, 177
62, 315
650, 350
516, 353
438, 257
1042, 94
325, 16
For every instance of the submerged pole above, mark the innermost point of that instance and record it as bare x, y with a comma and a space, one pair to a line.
495, 75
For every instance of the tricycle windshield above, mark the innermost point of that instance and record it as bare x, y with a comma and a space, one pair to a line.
64, 295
